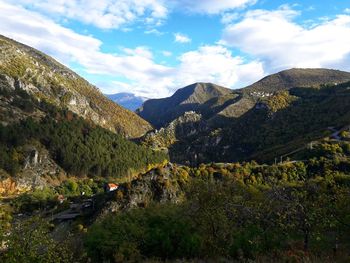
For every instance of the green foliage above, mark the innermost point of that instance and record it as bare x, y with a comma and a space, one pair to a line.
31, 241
37, 199
236, 211
79, 147
279, 101
156, 232
88, 187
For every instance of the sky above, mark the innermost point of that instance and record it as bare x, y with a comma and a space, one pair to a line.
153, 47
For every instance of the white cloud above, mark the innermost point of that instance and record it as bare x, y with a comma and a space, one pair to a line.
216, 64
104, 14
118, 14
274, 38
131, 69
67, 46
181, 38
228, 18
207, 64
154, 32
212, 6
167, 53
347, 10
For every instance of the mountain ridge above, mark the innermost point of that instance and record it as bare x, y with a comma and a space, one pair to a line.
298, 77
46, 79
215, 102
243, 124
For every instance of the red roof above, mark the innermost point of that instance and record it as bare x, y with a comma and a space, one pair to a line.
111, 185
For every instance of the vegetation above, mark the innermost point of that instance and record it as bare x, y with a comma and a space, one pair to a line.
205, 98
263, 134
79, 147
31, 241
293, 211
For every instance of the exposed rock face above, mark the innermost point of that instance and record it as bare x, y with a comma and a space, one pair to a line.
36, 167
146, 189
25, 68
190, 123
39, 162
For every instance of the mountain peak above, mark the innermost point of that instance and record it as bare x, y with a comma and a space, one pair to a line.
161, 111
198, 92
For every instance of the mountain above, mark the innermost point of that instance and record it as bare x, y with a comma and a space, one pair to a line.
55, 124
128, 100
216, 103
45, 79
268, 119
298, 77
205, 98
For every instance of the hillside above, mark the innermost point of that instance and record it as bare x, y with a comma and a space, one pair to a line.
198, 97
40, 150
276, 115
46, 79
232, 212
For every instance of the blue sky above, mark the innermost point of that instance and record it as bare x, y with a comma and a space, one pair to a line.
153, 47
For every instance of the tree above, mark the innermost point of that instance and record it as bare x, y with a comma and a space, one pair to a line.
31, 241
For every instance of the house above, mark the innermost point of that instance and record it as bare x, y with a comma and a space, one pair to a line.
110, 187
61, 198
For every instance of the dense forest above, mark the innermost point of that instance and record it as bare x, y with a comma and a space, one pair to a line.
79, 147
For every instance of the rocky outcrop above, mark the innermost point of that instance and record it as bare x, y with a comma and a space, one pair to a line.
37, 167
187, 125
158, 185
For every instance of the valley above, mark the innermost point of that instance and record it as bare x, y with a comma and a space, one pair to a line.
209, 174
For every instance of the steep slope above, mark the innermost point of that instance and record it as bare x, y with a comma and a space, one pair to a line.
160, 112
47, 143
128, 100
275, 127
46, 79
284, 80
217, 104
276, 115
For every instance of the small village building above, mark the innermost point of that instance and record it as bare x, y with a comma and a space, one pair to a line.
61, 198
110, 187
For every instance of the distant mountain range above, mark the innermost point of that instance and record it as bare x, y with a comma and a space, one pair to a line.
212, 100
128, 100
